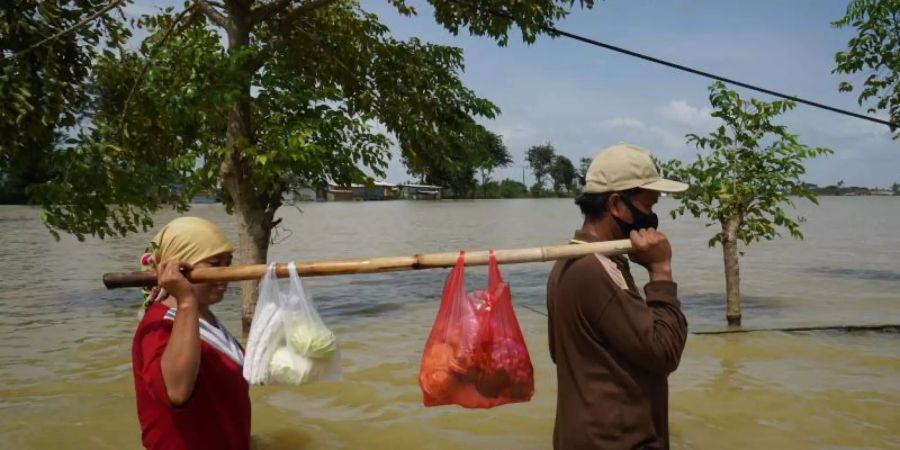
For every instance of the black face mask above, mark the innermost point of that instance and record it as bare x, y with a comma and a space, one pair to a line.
641, 219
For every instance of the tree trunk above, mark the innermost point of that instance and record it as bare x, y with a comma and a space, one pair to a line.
254, 232
483, 185
732, 271
252, 209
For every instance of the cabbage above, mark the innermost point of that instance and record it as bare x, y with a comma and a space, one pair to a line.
310, 339
287, 368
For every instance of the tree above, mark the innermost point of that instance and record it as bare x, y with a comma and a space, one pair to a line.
477, 149
492, 154
744, 175
563, 174
583, 170
43, 81
875, 50
290, 99
512, 189
540, 158
896, 188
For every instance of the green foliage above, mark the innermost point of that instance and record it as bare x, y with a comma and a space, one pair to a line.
896, 188
875, 51
43, 90
303, 93
146, 148
492, 153
506, 188
530, 17
584, 165
748, 169
545, 162
477, 149
541, 158
539, 191
840, 190
564, 175
512, 189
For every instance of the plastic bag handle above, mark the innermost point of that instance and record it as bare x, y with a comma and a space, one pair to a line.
494, 277
295, 278
292, 272
455, 281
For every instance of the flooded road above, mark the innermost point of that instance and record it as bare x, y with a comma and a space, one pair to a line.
65, 354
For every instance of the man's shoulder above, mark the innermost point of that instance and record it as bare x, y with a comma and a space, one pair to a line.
583, 268
589, 262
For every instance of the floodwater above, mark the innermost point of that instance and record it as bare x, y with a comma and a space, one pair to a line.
65, 369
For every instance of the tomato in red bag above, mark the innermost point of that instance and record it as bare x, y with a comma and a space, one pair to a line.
476, 356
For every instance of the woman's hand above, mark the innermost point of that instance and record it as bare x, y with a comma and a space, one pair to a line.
181, 359
170, 277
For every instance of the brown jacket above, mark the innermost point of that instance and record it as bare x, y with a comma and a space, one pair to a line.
613, 353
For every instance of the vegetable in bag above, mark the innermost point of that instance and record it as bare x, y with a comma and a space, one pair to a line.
289, 342
310, 339
476, 356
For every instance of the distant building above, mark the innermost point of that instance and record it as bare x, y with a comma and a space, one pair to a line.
420, 192
336, 193
380, 190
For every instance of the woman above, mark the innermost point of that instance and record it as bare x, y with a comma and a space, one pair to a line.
188, 379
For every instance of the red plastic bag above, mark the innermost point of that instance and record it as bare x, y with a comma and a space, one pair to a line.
476, 356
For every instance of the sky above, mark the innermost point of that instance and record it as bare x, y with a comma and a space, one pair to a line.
582, 98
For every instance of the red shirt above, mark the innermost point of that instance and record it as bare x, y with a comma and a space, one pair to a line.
217, 416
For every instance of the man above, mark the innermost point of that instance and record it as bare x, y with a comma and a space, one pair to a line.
612, 349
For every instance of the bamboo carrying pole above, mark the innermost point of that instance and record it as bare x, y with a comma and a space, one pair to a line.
376, 265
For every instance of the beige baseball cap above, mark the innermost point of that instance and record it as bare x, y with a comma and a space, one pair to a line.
623, 167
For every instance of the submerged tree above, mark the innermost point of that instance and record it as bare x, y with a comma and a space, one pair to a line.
563, 174
540, 158
743, 177
257, 98
492, 154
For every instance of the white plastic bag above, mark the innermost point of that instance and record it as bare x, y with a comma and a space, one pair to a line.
288, 342
266, 331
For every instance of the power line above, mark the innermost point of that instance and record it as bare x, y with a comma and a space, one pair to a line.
554, 30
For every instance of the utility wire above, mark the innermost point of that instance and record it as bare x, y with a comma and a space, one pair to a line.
552, 30
586, 40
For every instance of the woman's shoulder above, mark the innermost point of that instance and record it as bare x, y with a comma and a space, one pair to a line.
157, 316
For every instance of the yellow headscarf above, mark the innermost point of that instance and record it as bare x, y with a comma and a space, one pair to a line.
185, 239
189, 240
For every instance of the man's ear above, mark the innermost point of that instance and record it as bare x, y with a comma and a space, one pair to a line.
615, 205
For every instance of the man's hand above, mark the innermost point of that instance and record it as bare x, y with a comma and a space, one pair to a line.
171, 279
651, 249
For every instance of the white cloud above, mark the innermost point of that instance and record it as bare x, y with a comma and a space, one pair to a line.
682, 113
623, 122
661, 139
858, 129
